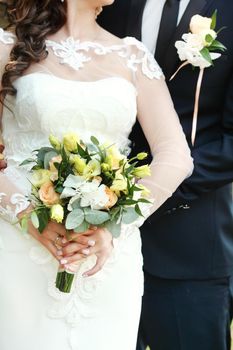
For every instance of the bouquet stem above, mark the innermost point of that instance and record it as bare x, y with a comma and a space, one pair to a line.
64, 281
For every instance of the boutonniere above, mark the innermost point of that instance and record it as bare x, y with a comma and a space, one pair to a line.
198, 49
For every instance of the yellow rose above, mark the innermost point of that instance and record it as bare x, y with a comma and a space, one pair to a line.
92, 169
57, 213
199, 23
112, 198
114, 157
70, 141
145, 191
55, 142
48, 195
39, 177
105, 167
78, 163
142, 155
142, 171
119, 184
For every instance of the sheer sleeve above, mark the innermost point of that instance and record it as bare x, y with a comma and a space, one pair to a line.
172, 162
12, 199
6, 41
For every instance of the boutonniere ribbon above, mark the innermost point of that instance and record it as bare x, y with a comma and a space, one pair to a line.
198, 49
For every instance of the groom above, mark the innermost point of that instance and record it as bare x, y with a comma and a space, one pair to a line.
188, 242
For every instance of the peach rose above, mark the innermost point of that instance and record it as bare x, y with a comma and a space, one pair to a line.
48, 195
53, 169
112, 198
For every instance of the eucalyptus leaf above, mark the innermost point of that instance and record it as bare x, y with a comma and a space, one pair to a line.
74, 219
48, 157
96, 217
42, 152
35, 220
113, 228
129, 216
82, 228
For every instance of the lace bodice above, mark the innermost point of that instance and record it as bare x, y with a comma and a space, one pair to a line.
93, 90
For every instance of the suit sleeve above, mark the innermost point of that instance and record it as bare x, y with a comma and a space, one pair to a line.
213, 162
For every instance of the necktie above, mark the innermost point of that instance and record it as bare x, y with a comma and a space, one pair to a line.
167, 29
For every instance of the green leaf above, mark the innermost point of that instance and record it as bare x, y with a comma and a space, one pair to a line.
24, 224
74, 219
209, 39
27, 161
216, 45
129, 216
143, 200
206, 55
35, 220
82, 228
42, 152
96, 217
43, 216
214, 20
113, 228
94, 140
47, 158
128, 202
138, 210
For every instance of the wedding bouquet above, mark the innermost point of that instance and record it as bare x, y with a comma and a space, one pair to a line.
83, 184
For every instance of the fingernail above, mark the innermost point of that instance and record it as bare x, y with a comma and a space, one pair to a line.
69, 268
85, 251
63, 261
94, 228
91, 243
59, 252
64, 240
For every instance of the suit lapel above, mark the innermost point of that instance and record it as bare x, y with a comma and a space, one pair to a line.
194, 7
135, 18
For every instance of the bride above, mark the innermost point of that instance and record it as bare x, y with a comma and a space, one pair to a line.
61, 72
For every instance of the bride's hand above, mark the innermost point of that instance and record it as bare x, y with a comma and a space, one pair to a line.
99, 242
53, 237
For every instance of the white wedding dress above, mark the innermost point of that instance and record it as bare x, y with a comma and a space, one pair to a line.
93, 90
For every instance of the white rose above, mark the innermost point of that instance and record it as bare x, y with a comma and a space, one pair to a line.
189, 50
199, 23
203, 35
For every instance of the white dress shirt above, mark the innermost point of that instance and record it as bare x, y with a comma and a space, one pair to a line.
151, 21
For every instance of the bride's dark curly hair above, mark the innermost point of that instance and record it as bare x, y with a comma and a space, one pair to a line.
32, 21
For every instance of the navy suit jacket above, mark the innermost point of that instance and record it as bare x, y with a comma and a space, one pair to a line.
191, 235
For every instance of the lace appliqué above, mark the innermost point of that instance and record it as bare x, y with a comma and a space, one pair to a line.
75, 53
79, 305
6, 37
9, 212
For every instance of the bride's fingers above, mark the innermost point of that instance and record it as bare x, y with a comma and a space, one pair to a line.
58, 228
71, 259
98, 266
76, 236
72, 248
85, 240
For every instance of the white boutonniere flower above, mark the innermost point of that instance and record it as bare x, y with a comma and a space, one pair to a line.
198, 48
